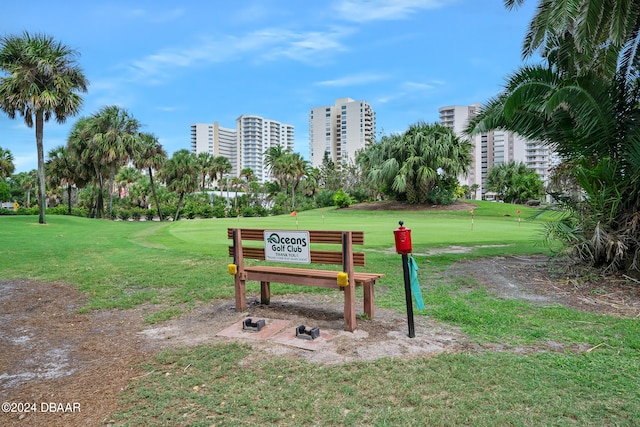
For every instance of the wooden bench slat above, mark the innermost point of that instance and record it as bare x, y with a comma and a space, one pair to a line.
297, 276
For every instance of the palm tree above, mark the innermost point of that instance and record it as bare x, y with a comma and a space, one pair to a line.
115, 136
43, 81
180, 173
26, 180
297, 167
125, 177
236, 183
151, 156
89, 157
584, 100
585, 35
62, 170
220, 166
273, 161
6, 163
248, 175
205, 163
413, 164
514, 182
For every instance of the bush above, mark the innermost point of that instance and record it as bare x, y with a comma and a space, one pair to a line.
277, 209
324, 198
341, 200
168, 212
136, 213
359, 195
440, 197
123, 214
149, 214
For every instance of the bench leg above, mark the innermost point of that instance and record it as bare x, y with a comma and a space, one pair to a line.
350, 308
241, 294
368, 299
265, 293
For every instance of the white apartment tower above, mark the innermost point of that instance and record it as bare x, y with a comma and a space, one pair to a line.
245, 145
215, 140
255, 136
495, 147
340, 130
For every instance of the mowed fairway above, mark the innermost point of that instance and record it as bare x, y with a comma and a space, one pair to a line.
122, 264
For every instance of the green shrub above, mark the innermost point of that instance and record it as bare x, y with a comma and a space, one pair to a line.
277, 209
324, 198
149, 214
124, 214
136, 213
341, 199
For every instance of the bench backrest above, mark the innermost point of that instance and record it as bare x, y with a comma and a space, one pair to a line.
315, 236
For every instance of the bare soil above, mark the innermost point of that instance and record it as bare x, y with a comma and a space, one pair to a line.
51, 353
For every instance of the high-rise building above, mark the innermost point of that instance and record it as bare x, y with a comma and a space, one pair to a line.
245, 145
340, 130
496, 147
215, 140
255, 136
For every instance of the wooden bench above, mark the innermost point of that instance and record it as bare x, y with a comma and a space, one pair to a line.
266, 274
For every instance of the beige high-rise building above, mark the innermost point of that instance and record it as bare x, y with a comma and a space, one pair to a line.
496, 147
216, 140
340, 130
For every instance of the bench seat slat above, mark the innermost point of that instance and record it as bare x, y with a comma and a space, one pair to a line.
323, 278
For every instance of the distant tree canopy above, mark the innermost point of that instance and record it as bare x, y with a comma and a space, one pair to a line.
514, 182
421, 165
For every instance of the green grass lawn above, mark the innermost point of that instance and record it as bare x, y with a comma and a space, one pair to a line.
179, 265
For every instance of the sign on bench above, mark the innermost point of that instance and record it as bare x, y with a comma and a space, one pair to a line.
287, 246
294, 246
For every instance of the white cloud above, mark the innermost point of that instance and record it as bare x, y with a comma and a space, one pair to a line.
387, 10
354, 79
263, 45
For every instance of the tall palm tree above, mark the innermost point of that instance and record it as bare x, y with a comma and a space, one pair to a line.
151, 156
297, 167
205, 163
62, 170
43, 80
273, 162
220, 166
114, 133
6, 163
248, 175
180, 173
89, 157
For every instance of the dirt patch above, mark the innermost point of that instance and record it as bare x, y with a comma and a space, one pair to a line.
49, 353
542, 280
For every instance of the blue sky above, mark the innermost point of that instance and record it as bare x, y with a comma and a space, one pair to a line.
171, 64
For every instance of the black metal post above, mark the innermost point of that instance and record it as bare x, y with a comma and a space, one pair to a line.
407, 292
